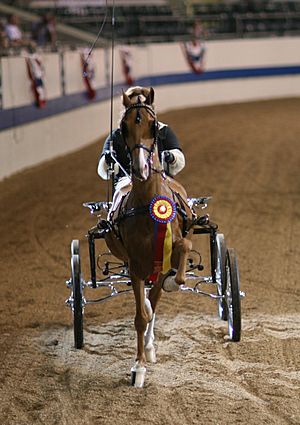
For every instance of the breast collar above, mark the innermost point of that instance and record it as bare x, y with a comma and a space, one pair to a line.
144, 210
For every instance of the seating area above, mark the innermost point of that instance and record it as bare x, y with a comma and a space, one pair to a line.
147, 21
249, 18
249, 6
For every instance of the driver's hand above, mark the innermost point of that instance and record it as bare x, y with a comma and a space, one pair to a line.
169, 158
108, 158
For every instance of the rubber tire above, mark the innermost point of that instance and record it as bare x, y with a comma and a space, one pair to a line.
220, 251
233, 298
77, 301
75, 247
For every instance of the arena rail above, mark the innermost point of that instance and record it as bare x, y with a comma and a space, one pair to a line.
76, 109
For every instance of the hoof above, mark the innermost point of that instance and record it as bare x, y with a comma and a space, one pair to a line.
138, 374
150, 354
169, 284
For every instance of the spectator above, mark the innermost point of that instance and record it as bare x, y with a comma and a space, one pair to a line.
44, 31
14, 34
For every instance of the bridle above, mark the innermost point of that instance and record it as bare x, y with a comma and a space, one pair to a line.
138, 120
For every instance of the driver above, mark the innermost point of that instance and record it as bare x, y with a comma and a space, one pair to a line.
170, 153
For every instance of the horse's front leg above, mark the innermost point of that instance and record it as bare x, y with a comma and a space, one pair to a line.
138, 371
184, 247
173, 279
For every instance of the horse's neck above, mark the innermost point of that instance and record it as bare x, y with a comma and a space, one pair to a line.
144, 192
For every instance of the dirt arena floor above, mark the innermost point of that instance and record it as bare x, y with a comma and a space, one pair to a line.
247, 156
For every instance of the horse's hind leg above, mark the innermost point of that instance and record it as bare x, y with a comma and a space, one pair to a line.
154, 296
138, 371
149, 341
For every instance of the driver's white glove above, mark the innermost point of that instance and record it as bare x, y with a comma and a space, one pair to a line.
104, 169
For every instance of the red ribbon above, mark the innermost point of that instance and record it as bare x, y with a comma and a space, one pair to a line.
91, 92
126, 68
35, 83
159, 238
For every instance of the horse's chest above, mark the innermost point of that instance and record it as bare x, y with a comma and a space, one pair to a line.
139, 233
138, 238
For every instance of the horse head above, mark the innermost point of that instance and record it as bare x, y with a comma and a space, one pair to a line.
139, 128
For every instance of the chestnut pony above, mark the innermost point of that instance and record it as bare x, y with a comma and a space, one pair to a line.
134, 224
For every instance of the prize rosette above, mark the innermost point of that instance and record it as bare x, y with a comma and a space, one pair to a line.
162, 209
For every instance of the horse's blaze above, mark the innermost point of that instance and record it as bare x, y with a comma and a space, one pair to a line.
142, 166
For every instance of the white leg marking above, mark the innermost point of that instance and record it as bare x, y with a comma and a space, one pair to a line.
148, 307
149, 340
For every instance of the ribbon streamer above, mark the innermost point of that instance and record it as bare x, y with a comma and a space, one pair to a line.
162, 211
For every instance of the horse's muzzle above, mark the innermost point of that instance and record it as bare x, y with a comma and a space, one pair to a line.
142, 173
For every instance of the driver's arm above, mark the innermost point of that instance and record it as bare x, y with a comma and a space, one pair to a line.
172, 157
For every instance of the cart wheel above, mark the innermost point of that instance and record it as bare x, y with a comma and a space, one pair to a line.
75, 247
77, 301
232, 296
218, 273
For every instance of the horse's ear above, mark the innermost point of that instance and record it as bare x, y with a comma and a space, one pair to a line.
150, 97
126, 99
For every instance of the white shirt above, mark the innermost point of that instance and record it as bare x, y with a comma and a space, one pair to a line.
13, 32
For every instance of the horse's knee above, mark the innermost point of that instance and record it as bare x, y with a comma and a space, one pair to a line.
183, 248
183, 245
140, 322
187, 245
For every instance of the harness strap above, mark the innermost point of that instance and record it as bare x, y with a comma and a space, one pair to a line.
180, 206
131, 213
145, 209
141, 146
137, 106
